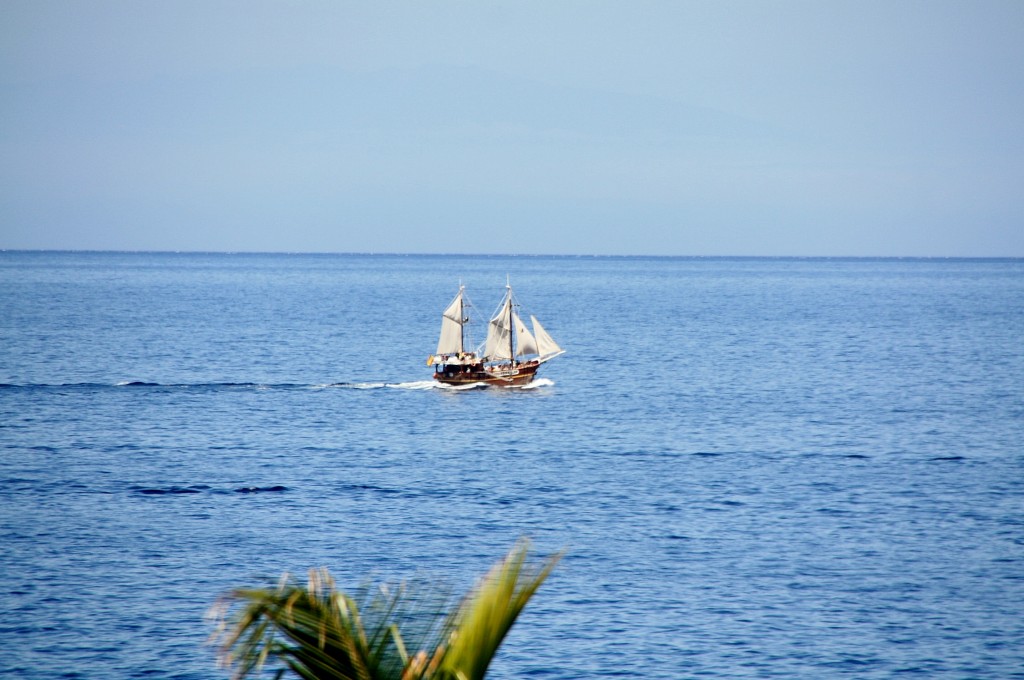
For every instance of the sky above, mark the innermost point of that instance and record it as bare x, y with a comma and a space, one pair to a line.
745, 128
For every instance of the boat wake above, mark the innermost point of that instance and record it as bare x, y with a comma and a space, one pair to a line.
414, 385
434, 385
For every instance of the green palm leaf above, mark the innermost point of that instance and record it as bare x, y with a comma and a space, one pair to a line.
488, 613
316, 632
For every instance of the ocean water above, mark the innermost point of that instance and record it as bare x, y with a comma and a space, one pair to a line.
793, 468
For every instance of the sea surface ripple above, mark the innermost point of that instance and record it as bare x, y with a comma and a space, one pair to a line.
791, 468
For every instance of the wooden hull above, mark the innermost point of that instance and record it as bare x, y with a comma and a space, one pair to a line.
505, 375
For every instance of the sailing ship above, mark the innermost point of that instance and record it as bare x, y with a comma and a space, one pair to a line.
510, 356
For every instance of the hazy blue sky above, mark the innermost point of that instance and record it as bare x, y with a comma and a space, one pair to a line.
683, 128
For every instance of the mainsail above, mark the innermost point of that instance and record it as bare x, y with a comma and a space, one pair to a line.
499, 333
451, 327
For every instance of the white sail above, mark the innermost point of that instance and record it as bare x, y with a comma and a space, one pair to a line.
525, 344
451, 327
546, 345
499, 331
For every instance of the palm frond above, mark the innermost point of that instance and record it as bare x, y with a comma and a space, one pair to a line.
317, 632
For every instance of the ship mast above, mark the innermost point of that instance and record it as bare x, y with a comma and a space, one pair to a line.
462, 318
511, 323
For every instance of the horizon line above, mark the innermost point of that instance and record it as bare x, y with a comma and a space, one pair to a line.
524, 255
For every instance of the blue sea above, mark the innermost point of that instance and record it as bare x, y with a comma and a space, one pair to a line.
790, 468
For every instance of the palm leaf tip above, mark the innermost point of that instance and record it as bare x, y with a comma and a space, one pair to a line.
490, 610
